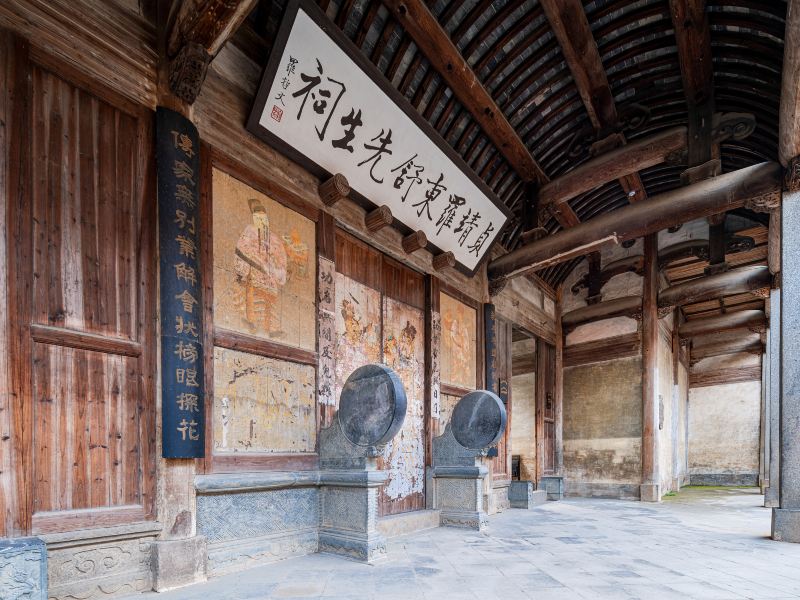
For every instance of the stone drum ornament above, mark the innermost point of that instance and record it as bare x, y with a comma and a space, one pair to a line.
479, 420
372, 406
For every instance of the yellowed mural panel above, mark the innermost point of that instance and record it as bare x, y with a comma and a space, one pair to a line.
264, 265
459, 339
262, 404
358, 328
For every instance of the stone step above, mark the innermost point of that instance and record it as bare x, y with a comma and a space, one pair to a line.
404, 523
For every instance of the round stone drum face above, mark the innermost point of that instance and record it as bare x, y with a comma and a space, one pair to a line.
478, 420
372, 406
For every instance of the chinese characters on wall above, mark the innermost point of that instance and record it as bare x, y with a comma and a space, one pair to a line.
490, 341
183, 413
320, 103
326, 375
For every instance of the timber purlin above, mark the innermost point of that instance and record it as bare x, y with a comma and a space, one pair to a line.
724, 376
621, 346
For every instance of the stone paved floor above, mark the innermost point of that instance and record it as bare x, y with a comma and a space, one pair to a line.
703, 543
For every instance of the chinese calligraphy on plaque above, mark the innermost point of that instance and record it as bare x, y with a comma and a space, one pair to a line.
342, 117
183, 412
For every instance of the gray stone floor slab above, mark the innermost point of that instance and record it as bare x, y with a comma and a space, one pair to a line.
704, 543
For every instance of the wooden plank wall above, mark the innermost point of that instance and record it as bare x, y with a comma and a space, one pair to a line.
80, 305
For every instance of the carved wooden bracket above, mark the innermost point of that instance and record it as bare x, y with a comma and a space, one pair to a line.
334, 189
630, 118
496, 286
187, 71
200, 28
664, 311
414, 241
791, 178
445, 260
379, 218
764, 202
709, 169
761, 292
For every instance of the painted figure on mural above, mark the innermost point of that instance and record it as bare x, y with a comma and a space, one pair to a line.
399, 351
459, 339
264, 262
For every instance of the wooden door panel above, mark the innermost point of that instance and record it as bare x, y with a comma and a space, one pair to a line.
90, 325
85, 203
87, 429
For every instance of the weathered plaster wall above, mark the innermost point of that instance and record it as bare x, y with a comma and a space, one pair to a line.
682, 457
603, 428
724, 427
523, 425
668, 425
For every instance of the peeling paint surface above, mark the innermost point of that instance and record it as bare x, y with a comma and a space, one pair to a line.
404, 351
262, 404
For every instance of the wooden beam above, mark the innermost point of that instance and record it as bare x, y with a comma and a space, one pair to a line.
749, 344
444, 56
723, 376
752, 320
754, 185
789, 120
620, 346
197, 31
693, 38
729, 283
571, 28
622, 161
627, 306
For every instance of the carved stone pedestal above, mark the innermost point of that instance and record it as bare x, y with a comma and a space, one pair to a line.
349, 505
458, 495
371, 411
176, 563
23, 568
476, 424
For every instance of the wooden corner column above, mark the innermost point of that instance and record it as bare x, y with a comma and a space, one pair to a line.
650, 490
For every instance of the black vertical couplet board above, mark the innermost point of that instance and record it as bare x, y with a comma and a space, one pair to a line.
490, 326
182, 393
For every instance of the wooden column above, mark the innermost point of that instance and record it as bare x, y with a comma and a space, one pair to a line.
559, 388
651, 488
541, 395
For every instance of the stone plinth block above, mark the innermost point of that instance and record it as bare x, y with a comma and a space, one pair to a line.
372, 409
23, 569
786, 525
650, 492
458, 495
177, 563
349, 511
554, 486
522, 495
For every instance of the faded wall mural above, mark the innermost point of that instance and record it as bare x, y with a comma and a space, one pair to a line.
264, 265
404, 456
459, 338
358, 328
262, 404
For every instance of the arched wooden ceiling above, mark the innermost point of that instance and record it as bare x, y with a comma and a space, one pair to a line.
511, 47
